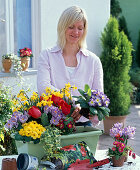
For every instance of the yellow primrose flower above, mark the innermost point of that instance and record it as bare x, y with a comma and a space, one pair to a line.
34, 135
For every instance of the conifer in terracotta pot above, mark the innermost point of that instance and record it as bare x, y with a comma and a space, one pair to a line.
116, 59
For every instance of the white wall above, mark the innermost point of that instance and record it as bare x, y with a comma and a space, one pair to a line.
98, 12
28, 81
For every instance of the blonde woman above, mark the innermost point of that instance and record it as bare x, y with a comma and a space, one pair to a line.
70, 61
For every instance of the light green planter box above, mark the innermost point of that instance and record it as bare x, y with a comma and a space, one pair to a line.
89, 135
30, 148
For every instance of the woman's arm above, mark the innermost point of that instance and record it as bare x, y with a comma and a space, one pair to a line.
43, 74
98, 76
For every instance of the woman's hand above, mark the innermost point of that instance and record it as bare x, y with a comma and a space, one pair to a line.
75, 115
94, 119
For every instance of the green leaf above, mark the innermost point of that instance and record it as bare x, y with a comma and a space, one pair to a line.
100, 115
81, 92
27, 139
89, 92
93, 110
83, 103
86, 88
77, 97
36, 141
19, 137
44, 119
104, 111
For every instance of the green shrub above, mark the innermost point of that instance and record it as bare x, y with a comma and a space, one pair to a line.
138, 51
116, 59
135, 76
115, 8
123, 27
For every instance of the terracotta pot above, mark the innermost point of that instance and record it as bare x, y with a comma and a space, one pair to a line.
7, 63
119, 162
111, 120
126, 157
9, 163
25, 63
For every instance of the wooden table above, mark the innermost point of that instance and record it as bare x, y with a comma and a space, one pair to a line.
101, 154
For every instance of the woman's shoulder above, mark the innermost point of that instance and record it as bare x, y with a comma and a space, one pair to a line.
53, 49
89, 53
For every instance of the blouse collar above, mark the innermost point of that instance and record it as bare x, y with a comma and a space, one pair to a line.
56, 49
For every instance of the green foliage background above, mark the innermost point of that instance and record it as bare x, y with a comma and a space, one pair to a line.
116, 59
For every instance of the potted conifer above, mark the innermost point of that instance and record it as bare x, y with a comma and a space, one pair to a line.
116, 59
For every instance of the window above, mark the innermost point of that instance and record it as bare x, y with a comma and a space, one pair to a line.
17, 18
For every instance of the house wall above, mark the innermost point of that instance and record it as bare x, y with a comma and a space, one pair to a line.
131, 12
98, 12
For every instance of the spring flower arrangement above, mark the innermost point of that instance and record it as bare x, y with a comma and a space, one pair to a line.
121, 136
25, 52
32, 115
93, 102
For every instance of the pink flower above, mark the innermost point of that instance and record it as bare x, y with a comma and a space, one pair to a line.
121, 139
117, 136
83, 151
115, 143
130, 152
113, 148
122, 145
121, 149
133, 155
61, 125
69, 125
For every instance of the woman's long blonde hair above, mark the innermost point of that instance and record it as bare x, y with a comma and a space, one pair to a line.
68, 18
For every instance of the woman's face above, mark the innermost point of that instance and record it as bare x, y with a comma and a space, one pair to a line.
74, 32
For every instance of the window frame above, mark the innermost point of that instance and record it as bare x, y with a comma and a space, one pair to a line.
35, 26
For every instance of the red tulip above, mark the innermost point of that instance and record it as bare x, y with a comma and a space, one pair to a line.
65, 107
34, 112
56, 100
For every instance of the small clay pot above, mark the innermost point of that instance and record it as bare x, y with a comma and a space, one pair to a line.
25, 62
9, 163
119, 162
